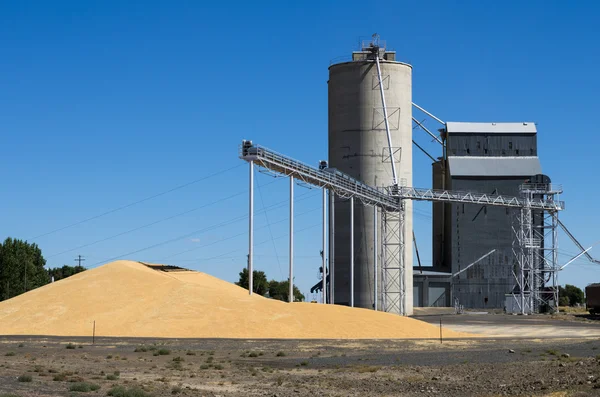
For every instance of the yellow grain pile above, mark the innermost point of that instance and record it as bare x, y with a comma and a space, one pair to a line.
130, 299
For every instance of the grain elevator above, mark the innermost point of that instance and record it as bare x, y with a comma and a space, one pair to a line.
358, 146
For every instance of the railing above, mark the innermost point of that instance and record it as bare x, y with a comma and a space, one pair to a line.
541, 188
453, 196
390, 197
342, 184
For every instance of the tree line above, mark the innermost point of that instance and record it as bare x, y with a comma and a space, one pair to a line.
279, 290
22, 268
570, 295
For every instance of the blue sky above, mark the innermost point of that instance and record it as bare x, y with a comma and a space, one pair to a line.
107, 103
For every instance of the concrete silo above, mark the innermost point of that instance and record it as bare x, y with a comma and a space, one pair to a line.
358, 146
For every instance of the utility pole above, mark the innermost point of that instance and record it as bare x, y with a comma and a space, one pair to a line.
79, 259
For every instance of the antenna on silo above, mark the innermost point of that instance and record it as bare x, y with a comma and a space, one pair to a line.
375, 39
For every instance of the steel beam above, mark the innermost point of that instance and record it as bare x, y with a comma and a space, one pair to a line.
291, 275
387, 124
351, 251
251, 231
429, 114
331, 247
324, 247
375, 255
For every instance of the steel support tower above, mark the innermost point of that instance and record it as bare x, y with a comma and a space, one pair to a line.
536, 251
391, 203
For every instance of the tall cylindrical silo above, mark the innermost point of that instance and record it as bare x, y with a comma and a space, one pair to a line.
358, 146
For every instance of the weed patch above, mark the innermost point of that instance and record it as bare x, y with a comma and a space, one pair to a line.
366, 368
25, 378
83, 387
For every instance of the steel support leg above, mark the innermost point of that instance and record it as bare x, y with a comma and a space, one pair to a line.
291, 276
351, 251
375, 256
324, 246
251, 231
331, 247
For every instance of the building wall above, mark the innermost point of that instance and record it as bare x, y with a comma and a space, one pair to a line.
476, 230
358, 146
464, 233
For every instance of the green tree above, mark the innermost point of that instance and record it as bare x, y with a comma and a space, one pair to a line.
572, 293
564, 301
21, 268
260, 285
280, 290
63, 272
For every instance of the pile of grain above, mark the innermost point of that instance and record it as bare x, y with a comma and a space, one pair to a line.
127, 298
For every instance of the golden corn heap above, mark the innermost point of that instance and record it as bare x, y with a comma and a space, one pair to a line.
127, 298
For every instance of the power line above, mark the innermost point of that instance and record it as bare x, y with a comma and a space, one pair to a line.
237, 235
155, 222
148, 224
268, 240
136, 202
269, 226
209, 228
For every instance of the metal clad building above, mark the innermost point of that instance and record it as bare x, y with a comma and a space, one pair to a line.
358, 146
492, 158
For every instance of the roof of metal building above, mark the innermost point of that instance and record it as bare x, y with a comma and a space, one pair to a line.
494, 166
490, 128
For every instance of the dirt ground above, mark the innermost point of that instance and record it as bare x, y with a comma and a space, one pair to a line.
143, 367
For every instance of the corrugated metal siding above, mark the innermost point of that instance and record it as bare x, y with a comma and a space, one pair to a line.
491, 128
491, 145
476, 231
494, 166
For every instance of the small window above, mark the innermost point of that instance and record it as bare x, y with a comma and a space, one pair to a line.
463, 208
468, 151
485, 151
531, 151
517, 151
478, 145
510, 145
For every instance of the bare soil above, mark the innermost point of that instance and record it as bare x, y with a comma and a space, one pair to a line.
235, 368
